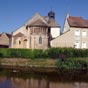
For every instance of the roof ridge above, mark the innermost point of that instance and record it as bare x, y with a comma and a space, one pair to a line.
35, 18
77, 22
75, 17
38, 20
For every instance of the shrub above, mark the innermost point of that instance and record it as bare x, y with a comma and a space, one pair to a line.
53, 53
1, 55
62, 57
71, 64
39, 53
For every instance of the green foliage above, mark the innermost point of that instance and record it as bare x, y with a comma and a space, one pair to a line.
54, 53
39, 53
68, 52
22, 53
71, 64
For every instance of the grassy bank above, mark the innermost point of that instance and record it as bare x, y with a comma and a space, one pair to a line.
62, 58
70, 63
28, 62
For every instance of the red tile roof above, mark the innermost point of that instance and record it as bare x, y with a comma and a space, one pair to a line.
78, 22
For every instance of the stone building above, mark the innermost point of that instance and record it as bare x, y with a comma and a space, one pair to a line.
5, 40
75, 33
36, 33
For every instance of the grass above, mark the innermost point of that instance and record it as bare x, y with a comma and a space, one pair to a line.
29, 62
35, 62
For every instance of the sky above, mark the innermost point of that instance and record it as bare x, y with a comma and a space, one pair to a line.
15, 13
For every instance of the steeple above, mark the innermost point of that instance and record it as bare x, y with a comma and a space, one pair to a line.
51, 14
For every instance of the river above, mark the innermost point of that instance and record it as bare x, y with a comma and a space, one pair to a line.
42, 80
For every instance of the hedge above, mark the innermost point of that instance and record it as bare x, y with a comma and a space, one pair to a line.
22, 53
49, 53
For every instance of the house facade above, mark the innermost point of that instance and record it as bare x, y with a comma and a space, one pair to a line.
5, 40
36, 33
75, 33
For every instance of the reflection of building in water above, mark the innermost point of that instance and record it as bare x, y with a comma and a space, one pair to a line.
3, 79
13, 82
18, 83
42, 83
60, 85
68, 85
29, 83
5, 82
80, 85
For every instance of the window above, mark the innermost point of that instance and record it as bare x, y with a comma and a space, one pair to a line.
19, 42
77, 35
84, 34
30, 40
40, 40
77, 32
77, 44
83, 44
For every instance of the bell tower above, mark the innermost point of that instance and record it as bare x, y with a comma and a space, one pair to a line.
51, 14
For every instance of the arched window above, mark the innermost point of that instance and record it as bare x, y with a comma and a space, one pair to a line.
40, 40
19, 42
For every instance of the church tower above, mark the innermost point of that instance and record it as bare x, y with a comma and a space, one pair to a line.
51, 14
54, 27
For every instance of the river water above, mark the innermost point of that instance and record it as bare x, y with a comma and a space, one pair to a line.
42, 80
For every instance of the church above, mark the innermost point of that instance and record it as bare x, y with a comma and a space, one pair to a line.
36, 33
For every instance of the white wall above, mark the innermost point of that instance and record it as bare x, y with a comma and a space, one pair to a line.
55, 32
21, 29
66, 25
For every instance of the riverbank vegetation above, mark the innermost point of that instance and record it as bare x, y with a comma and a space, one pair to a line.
72, 63
54, 53
64, 58
69, 63
28, 62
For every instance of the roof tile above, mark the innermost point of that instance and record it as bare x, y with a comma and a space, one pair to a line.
77, 22
38, 20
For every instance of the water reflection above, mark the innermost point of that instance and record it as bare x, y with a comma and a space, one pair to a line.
29, 83
38, 82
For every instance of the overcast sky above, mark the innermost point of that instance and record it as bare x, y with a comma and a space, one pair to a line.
15, 13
